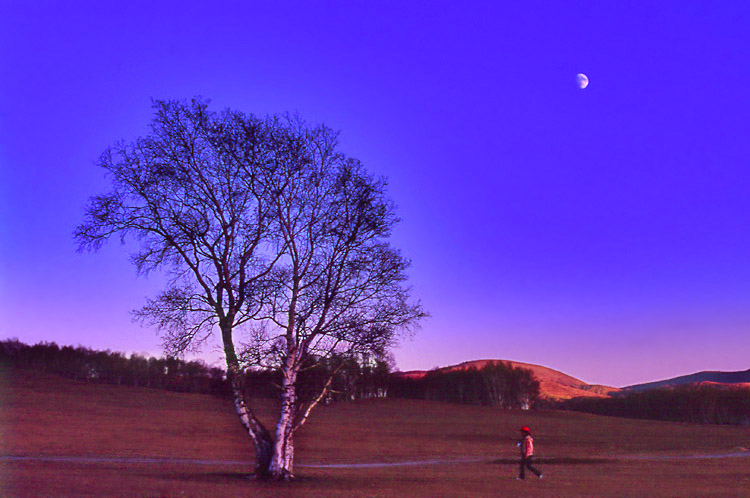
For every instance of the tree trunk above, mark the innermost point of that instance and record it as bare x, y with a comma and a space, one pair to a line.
258, 433
282, 462
260, 436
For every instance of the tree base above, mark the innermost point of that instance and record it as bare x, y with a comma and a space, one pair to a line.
267, 477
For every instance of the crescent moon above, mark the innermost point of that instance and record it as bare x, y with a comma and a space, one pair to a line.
582, 80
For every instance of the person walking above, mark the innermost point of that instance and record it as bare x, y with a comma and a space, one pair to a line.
527, 453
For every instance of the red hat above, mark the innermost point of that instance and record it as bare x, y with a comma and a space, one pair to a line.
525, 429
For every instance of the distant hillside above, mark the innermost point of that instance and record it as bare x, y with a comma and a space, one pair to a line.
735, 379
553, 385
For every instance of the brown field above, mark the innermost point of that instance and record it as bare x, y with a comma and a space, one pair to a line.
581, 455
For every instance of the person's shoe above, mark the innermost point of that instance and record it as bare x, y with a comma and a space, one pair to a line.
540, 476
518, 478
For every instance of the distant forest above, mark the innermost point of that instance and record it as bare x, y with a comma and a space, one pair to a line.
107, 367
695, 403
499, 385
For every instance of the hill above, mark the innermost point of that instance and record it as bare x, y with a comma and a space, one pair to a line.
553, 385
732, 379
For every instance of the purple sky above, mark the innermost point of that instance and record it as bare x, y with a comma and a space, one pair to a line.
602, 232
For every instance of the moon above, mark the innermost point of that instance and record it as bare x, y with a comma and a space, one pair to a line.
582, 80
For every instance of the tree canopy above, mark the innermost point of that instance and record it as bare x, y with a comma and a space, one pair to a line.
267, 230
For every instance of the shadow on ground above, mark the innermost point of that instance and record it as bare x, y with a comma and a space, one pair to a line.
303, 478
556, 461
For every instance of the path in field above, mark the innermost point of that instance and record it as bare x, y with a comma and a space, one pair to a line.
375, 465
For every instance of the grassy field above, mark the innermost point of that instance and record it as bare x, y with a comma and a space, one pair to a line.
581, 455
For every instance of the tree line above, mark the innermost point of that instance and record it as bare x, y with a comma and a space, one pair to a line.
351, 377
341, 377
703, 404
498, 384
107, 367
363, 377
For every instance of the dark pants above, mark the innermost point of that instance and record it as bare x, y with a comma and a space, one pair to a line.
526, 463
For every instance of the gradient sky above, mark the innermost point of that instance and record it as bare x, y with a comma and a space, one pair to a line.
602, 232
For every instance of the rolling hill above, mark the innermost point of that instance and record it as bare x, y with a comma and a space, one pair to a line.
557, 386
714, 378
553, 385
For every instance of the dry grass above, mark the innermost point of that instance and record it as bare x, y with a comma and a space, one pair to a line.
579, 453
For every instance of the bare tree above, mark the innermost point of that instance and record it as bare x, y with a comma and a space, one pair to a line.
265, 229
339, 282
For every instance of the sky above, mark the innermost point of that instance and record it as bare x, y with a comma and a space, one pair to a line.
603, 232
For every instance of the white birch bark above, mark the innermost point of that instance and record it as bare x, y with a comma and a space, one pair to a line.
283, 448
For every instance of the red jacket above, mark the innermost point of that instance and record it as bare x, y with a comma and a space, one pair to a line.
527, 446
